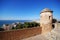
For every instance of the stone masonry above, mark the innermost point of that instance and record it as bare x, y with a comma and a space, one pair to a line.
46, 20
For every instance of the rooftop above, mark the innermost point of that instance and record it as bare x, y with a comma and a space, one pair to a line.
46, 10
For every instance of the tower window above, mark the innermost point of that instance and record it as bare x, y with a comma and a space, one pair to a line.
49, 17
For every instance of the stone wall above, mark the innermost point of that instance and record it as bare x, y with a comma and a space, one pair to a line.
46, 17
20, 34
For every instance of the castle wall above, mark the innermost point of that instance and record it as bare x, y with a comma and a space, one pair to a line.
46, 21
19, 34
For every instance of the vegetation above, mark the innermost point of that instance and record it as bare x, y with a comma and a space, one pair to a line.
26, 25
1, 29
54, 20
30, 24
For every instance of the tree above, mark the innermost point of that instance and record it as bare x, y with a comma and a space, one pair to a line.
54, 21
26, 24
35, 24
19, 26
1, 29
13, 27
30, 24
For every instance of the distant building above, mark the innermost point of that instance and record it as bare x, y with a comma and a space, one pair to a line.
14, 24
17, 22
6, 27
37, 21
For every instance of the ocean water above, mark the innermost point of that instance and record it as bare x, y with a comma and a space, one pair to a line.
12, 21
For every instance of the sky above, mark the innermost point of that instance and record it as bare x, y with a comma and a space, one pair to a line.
27, 9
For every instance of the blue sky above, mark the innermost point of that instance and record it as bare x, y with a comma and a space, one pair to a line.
27, 9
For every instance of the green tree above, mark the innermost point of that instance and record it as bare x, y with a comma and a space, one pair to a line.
19, 26
34, 24
26, 24
13, 28
1, 29
54, 20
30, 24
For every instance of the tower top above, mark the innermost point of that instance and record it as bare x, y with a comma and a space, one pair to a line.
46, 10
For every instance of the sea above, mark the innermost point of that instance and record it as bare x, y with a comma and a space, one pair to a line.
12, 21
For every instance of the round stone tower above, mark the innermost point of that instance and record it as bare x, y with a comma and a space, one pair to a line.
46, 20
